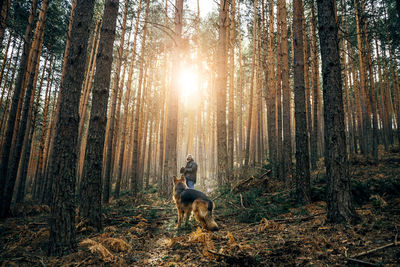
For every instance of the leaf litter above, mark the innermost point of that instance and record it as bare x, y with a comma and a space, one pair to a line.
141, 232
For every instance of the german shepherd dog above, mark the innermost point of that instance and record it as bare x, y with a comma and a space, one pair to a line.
188, 200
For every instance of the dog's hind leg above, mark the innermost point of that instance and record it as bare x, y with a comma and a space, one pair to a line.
180, 216
200, 212
187, 215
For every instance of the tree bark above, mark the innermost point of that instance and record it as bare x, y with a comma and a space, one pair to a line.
172, 106
136, 144
303, 188
11, 122
315, 78
339, 205
222, 155
126, 102
287, 136
270, 99
113, 106
64, 156
90, 190
16, 154
231, 116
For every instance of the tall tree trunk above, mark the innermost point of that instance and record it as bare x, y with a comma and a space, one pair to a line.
307, 81
48, 180
126, 102
39, 178
315, 78
366, 138
90, 190
221, 95
303, 188
6, 106
113, 106
253, 69
271, 104
339, 204
3, 90
172, 105
16, 154
28, 138
64, 157
240, 95
163, 108
231, 116
11, 122
287, 136
136, 149
278, 97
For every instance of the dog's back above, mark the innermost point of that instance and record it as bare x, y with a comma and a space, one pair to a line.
190, 195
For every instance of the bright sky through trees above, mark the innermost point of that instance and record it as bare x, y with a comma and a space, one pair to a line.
206, 6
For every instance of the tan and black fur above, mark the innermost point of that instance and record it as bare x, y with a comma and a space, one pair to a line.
191, 200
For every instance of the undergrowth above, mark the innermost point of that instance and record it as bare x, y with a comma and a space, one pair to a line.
252, 205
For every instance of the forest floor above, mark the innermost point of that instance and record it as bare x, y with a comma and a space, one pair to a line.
258, 227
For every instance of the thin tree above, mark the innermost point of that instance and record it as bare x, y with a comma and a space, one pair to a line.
287, 136
271, 104
172, 106
113, 106
16, 154
315, 89
221, 94
136, 149
11, 122
124, 125
303, 188
231, 116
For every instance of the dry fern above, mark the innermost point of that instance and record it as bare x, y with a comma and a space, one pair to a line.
99, 249
265, 224
110, 229
116, 244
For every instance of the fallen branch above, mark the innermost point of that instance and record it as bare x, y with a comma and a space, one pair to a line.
241, 201
299, 219
375, 249
365, 263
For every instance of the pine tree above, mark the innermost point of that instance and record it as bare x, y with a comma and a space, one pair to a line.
339, 203
303, 188
90, 190
65, 151
222, 155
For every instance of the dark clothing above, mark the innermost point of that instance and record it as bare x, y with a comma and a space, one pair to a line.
191, 170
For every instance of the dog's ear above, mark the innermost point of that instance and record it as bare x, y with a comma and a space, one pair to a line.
183, 178
175, 179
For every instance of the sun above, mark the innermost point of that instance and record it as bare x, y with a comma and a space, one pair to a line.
188, 82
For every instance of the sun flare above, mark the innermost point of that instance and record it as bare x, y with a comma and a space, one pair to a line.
188, 82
